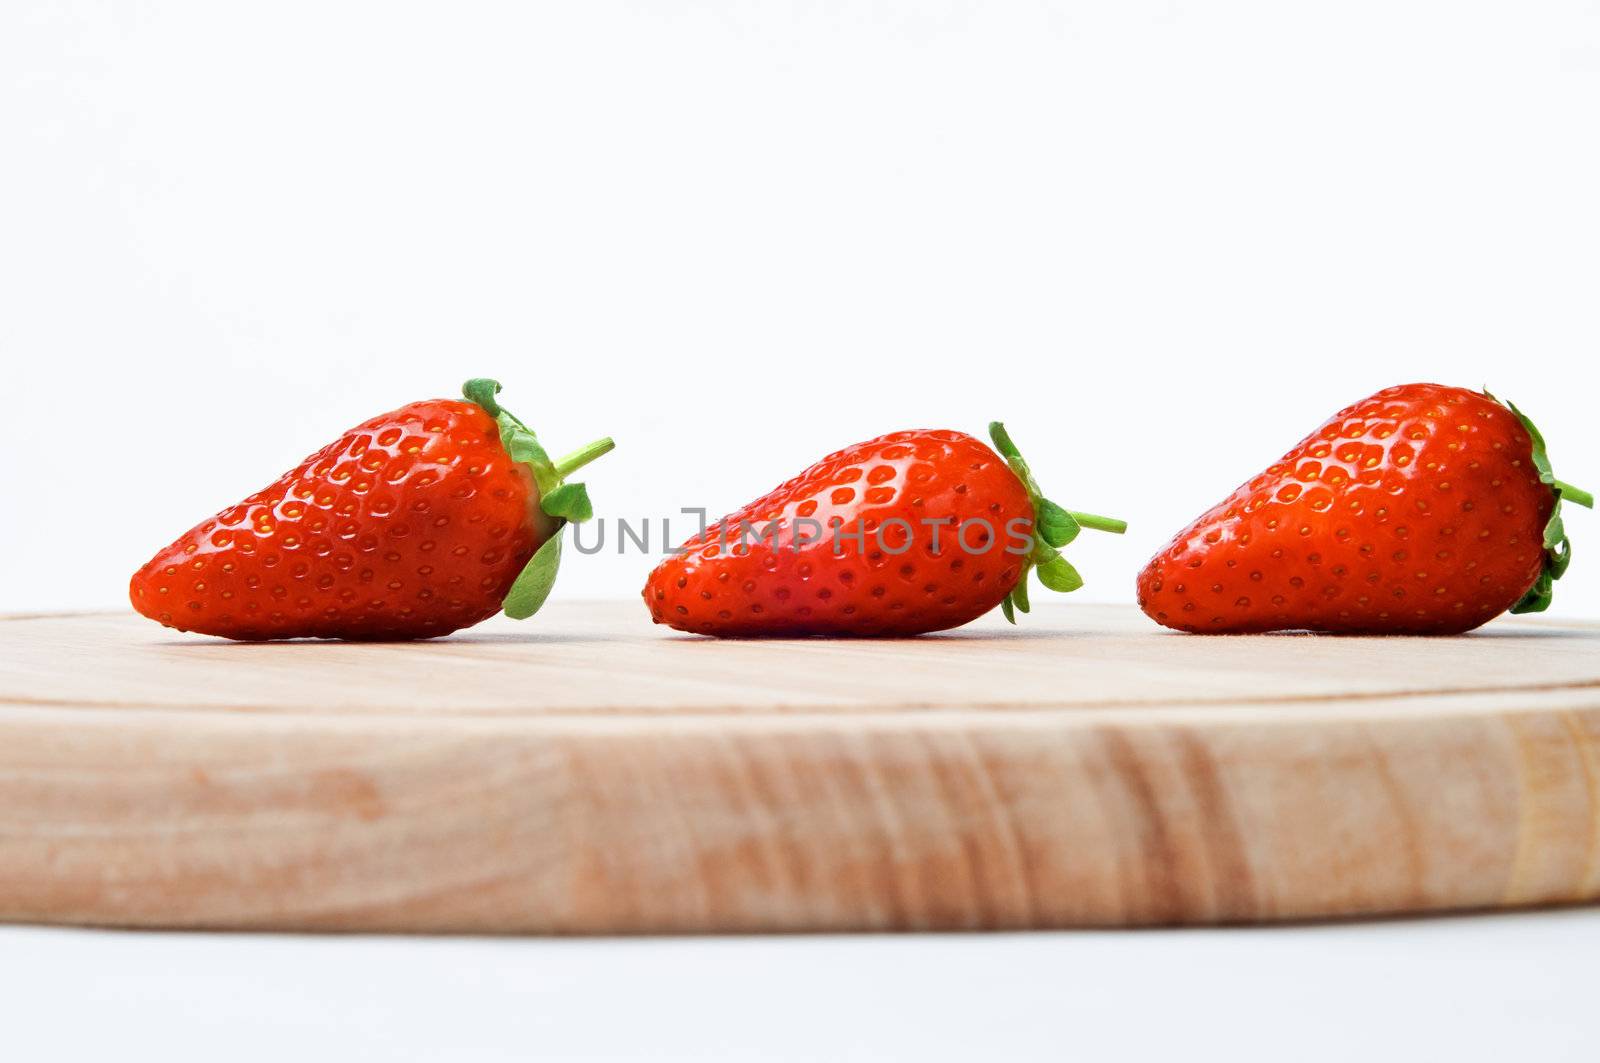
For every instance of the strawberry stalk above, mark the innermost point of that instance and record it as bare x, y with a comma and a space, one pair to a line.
1053, 527
1557, 547
558, 500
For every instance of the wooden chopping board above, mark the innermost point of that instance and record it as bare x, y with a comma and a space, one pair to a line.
587, 772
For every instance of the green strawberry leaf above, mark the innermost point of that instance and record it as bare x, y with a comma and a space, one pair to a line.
523, 445
1009, 451
569, 502
533, 583
1539, 596
1002, 441
482, 391
1059, 575
563, 501
1056, 526
1053, 526
1019, 593
1557, 548
1557, 558
1043, 553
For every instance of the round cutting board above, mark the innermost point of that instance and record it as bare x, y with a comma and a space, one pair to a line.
586, 772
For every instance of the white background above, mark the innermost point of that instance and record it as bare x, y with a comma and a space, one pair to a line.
1496, 989
1161, 239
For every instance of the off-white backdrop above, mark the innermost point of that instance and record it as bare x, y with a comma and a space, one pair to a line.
1161, 239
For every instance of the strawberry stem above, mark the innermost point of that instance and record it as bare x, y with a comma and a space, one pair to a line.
571, 463
1105, 524
1573, 494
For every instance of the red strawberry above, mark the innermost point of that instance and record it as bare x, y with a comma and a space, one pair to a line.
411, 525
1420, 510
910, 532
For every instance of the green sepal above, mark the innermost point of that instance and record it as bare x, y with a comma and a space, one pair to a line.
1042, 553
1539, 596
1019, 593
524, 446
563, 501
1059, 575
569, 502
1056, 526
1002, 441
1557, 547
1053, 526
482, 390
1013, 456
533, 583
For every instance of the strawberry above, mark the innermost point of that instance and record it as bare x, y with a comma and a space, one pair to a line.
413, 524
910, 532
1420, 510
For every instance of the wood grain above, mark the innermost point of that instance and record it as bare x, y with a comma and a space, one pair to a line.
590, 773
